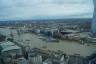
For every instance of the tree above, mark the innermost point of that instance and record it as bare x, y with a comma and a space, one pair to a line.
2, 38
10, 39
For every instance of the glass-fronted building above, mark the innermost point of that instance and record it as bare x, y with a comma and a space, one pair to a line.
94, 18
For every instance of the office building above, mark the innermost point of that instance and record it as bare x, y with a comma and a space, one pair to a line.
93, 27
35, 58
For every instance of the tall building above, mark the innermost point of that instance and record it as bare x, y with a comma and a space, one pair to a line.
94, 18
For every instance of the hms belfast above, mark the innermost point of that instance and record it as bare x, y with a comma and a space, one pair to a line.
93, 28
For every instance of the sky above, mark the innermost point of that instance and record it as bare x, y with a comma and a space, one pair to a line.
45, 9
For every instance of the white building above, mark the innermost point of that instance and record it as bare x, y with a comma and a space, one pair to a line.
5, 31
57, 59
35, 59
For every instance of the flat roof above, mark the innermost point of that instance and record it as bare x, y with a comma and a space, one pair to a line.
7, 44
11, 48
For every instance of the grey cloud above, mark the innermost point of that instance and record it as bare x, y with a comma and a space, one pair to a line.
25, 9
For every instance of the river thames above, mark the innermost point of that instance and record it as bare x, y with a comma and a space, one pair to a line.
69, 47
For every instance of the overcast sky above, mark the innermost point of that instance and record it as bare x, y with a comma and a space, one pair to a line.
45, 9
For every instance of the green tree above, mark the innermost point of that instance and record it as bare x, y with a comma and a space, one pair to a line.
2, 38
10, 39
